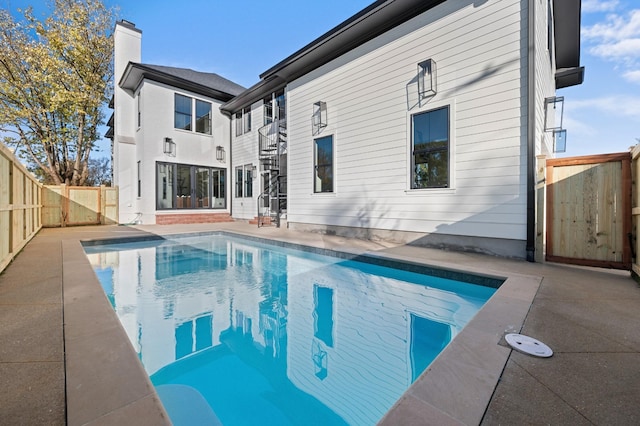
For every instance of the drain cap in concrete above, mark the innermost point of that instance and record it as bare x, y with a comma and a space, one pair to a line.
528, 345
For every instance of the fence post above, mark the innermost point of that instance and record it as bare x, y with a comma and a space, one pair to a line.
635, 211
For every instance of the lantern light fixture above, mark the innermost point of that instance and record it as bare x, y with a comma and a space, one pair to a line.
319, 117
427, 81
553, 111
220, 154
169, 147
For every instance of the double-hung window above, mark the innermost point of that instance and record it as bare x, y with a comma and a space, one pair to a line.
238, 123
430, 151
239, 181
246, 119
244, 181
243, 121
203, 117
185, 110
323, 165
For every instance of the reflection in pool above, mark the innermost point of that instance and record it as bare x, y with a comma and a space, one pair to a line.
233, 331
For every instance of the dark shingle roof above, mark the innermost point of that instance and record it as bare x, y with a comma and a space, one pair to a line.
204, 83
208, 79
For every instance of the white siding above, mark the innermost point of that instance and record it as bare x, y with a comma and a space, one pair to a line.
371, 93
127, 44
245, 151
192, 148
545, 81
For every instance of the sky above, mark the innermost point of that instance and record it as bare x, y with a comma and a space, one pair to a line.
241, 39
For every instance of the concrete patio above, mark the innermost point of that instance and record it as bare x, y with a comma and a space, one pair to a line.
56, 332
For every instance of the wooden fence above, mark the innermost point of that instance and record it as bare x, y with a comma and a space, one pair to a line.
20, 206
589, 210
64, 205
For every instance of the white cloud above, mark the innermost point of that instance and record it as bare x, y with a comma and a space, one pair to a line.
599, 6
615, 27
632, 76
619, 105
628, 49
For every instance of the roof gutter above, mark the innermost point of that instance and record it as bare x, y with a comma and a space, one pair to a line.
531, 135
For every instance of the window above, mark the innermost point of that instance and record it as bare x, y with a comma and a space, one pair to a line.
139, 181
248, 181
182, 186
194, 336
203, 117
203, 193
268, 111
243, 121
238, 123
323, 314
244, 181
430, 149
183, 112
550, 31
139, 110
239, 180
323, 165
246, 116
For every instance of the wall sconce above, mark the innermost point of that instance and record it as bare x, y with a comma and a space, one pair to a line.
319, 117
254, 172
169, 147
559, 140
219, 153
427, 84
553, 111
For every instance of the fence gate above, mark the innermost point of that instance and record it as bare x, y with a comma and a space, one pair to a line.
589, 210
79, 205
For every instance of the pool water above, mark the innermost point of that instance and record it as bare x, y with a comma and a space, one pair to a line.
238, 332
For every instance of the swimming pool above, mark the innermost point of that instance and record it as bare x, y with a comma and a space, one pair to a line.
250, 333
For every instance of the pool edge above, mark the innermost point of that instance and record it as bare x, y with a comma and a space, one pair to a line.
458, 385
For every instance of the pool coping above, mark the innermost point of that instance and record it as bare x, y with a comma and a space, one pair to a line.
455, 389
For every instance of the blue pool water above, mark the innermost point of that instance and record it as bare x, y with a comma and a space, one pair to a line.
237, 332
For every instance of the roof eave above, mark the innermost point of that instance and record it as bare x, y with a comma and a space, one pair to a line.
135, 73
566, 26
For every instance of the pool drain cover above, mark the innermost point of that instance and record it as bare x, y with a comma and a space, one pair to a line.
528, 345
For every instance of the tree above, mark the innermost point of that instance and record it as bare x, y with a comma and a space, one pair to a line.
99, 172
54, 78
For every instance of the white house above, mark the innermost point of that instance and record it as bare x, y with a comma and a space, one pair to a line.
170, 138
416, 121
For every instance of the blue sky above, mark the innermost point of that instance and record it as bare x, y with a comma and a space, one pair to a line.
243, 38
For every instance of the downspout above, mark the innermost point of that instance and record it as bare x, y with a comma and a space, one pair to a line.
531, 134
229, 189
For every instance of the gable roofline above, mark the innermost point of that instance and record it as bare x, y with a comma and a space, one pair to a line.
369, 23
382, 16
205, 84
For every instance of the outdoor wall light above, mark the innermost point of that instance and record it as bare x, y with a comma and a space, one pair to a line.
553, 111
169, 147
319, 117
219, 153
427, 85
559, 140
254, 172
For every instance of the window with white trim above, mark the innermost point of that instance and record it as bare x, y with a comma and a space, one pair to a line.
192, 114
430, 149
323, 164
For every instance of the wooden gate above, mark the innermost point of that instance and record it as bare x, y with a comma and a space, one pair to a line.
79, 205
589, 210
